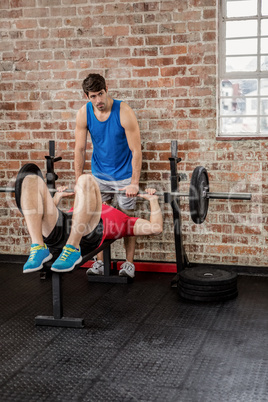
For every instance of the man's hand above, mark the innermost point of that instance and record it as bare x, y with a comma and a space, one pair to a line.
149, 194
60, 194
131, 190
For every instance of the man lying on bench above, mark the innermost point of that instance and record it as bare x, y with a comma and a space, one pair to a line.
74, 234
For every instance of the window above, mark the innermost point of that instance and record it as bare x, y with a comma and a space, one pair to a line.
243, 68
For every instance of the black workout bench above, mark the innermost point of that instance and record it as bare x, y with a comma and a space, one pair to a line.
58, 320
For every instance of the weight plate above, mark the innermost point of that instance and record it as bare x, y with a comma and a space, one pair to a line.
210, 293
207, 276
29, 168
207, 288
208, 298
198, 202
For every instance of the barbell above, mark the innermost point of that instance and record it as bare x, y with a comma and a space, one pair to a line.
199, 193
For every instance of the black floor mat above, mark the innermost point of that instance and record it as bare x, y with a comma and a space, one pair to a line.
140, 343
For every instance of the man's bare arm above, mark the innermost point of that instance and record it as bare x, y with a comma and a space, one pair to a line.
154, 226
80, 142
130, 124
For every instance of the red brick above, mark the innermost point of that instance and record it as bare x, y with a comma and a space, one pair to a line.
164, 61
144, 30
160, 82
145, 52
187, 81
242, 250
145, 6
174, 50
159, 166
22, 3
157, 40
209, 13
172, 71
145, 72
116, 31
7, 106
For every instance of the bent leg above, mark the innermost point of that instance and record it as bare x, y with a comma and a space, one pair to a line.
41, 216
38, 208
86, 216
87, 209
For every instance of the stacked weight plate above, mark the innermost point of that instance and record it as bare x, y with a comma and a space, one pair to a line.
207, 284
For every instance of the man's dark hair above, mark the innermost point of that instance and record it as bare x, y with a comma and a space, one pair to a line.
93, 83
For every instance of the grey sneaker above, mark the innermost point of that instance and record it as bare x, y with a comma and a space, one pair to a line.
127, 269
97, 268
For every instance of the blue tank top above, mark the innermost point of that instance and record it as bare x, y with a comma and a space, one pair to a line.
111, 157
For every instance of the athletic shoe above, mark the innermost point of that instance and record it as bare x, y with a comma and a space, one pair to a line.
97, 268
38, 256
127, 269
69, 258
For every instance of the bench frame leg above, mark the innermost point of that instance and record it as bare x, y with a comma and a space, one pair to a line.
57, 320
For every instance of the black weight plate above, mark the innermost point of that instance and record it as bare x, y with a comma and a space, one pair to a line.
207, 276
208, 298
198, 204
207, 288
29, 168
209, 293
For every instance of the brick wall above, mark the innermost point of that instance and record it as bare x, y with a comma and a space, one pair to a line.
160, 57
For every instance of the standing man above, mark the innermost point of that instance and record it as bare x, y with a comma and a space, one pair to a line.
116, 158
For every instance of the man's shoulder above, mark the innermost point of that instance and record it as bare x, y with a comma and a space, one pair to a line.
83, 110
124, 107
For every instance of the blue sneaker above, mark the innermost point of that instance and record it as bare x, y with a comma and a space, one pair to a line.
38, 256
69, 258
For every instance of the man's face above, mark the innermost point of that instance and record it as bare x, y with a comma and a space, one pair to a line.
99, 99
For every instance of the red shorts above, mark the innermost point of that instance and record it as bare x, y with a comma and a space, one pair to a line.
116, 224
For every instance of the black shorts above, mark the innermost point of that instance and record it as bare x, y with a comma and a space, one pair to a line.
59, 235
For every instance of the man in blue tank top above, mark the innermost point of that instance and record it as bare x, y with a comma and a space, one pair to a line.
116, 158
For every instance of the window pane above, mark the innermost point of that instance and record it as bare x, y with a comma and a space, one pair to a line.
241, 46
264, 63
264, 111
264, 106
241, 64
264, 45
239, 87
239, 97
238, 124
264, 7
264, 125
264, 87
238, 29
264, 27
239, 106
241, 8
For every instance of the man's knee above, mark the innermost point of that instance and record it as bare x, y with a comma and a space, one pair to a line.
86, 182
31, 181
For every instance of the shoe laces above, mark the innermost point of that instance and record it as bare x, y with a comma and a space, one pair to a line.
66, 252
127, 266
97, 264
34, 251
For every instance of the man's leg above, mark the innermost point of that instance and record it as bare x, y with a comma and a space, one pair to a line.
97, 268
86, 216
41, 216
128, 267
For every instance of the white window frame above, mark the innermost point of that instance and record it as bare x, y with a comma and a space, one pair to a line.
236, 75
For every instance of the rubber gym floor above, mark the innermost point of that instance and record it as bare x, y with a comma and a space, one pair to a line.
140, 342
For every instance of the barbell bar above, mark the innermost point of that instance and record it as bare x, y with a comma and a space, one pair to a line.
216, 196
199, 194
